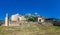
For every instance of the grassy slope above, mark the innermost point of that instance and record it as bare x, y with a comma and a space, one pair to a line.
32, 29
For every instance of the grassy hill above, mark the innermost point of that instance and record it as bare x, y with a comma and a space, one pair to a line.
30, 29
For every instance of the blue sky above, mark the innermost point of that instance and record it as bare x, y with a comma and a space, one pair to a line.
47, 8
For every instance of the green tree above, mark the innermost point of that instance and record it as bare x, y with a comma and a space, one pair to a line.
30, 17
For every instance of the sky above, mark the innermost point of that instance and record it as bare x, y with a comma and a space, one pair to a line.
47, 8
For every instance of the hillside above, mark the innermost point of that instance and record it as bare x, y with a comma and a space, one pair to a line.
30, 29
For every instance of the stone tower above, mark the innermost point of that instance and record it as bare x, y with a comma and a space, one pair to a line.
6, 20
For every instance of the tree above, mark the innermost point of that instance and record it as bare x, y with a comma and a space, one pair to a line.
27, 16
30, 17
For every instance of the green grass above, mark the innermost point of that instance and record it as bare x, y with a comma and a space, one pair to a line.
30, 29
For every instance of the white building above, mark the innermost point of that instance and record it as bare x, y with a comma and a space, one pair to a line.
15, 20
15, 17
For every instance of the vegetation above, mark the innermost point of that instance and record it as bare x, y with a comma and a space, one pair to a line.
54, 19
30, 29
30, 17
